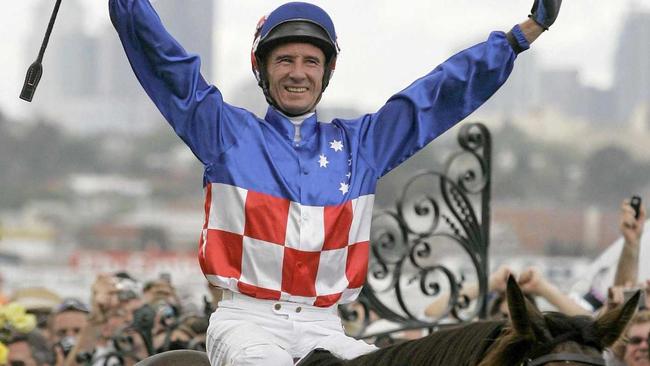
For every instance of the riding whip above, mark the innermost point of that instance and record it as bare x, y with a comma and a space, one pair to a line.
36, 68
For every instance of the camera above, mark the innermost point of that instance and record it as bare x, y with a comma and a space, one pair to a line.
167, 315
127, 289
635, 202
66, 344
627, 294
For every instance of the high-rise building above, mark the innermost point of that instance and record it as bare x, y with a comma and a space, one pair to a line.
632, 76
522, 91
563, 91
88, 86
191, 22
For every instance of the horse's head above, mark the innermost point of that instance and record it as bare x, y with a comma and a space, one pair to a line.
534, 338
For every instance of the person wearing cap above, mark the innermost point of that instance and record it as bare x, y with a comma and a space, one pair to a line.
39, 301
66, 322
288, 198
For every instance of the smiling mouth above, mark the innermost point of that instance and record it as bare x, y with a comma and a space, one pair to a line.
295, 89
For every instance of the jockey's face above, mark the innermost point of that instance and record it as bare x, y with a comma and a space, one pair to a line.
295, 72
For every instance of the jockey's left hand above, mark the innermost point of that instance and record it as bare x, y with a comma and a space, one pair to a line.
544, 12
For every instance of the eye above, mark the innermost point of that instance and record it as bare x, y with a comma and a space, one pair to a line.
313, 61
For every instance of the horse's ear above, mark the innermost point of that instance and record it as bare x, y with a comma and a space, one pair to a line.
523, 315
610, 326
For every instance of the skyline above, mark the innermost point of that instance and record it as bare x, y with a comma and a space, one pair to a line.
363, 64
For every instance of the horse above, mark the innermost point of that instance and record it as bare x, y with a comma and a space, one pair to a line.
528, 338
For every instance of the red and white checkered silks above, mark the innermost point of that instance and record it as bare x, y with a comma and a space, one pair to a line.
272, 248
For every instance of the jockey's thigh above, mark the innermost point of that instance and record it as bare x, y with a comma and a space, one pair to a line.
233, 341
329, 334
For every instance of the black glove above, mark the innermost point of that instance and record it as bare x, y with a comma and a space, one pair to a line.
544, 12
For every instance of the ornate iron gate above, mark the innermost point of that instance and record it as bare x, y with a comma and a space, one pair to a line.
407, 242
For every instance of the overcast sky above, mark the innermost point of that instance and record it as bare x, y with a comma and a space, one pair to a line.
385, 44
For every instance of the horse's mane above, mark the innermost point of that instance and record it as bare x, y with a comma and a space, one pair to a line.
458, 346
485, 343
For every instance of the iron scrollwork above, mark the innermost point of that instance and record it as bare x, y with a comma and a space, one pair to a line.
406, 243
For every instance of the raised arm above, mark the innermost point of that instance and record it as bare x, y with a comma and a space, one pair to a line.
434, 103
172, 79
632, 228
533, 282
497, 283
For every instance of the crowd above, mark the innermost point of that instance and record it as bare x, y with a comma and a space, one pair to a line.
632, 349
124, 322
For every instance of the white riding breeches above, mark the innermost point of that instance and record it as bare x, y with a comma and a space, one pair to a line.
246, 331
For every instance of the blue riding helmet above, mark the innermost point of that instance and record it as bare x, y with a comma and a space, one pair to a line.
293, 22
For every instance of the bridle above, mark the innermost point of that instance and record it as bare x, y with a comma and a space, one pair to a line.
565, 357
545, 356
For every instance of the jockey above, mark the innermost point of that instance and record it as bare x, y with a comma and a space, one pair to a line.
288, 198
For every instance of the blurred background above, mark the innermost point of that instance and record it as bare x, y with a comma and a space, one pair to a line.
92, 179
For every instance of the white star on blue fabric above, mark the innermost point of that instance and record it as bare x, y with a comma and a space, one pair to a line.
323, 161
349, 175
336, 145
344, 188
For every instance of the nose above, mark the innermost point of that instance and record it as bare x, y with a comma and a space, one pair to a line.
298, 71
643, 346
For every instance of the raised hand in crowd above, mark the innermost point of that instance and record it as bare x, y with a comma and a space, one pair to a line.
616, 295
114, 298
631, 228
533, 282
470, 291
498, 280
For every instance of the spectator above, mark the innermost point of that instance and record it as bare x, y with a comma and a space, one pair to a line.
162, 297
532, 283
632, 348
631, 228
496, 284
65, 325
109, 338
29, 349
627, 266
39, 301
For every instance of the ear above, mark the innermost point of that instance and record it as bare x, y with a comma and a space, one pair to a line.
610, 326
523, 315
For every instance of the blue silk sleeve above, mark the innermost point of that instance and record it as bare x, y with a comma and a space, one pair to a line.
432, 104
172, 79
